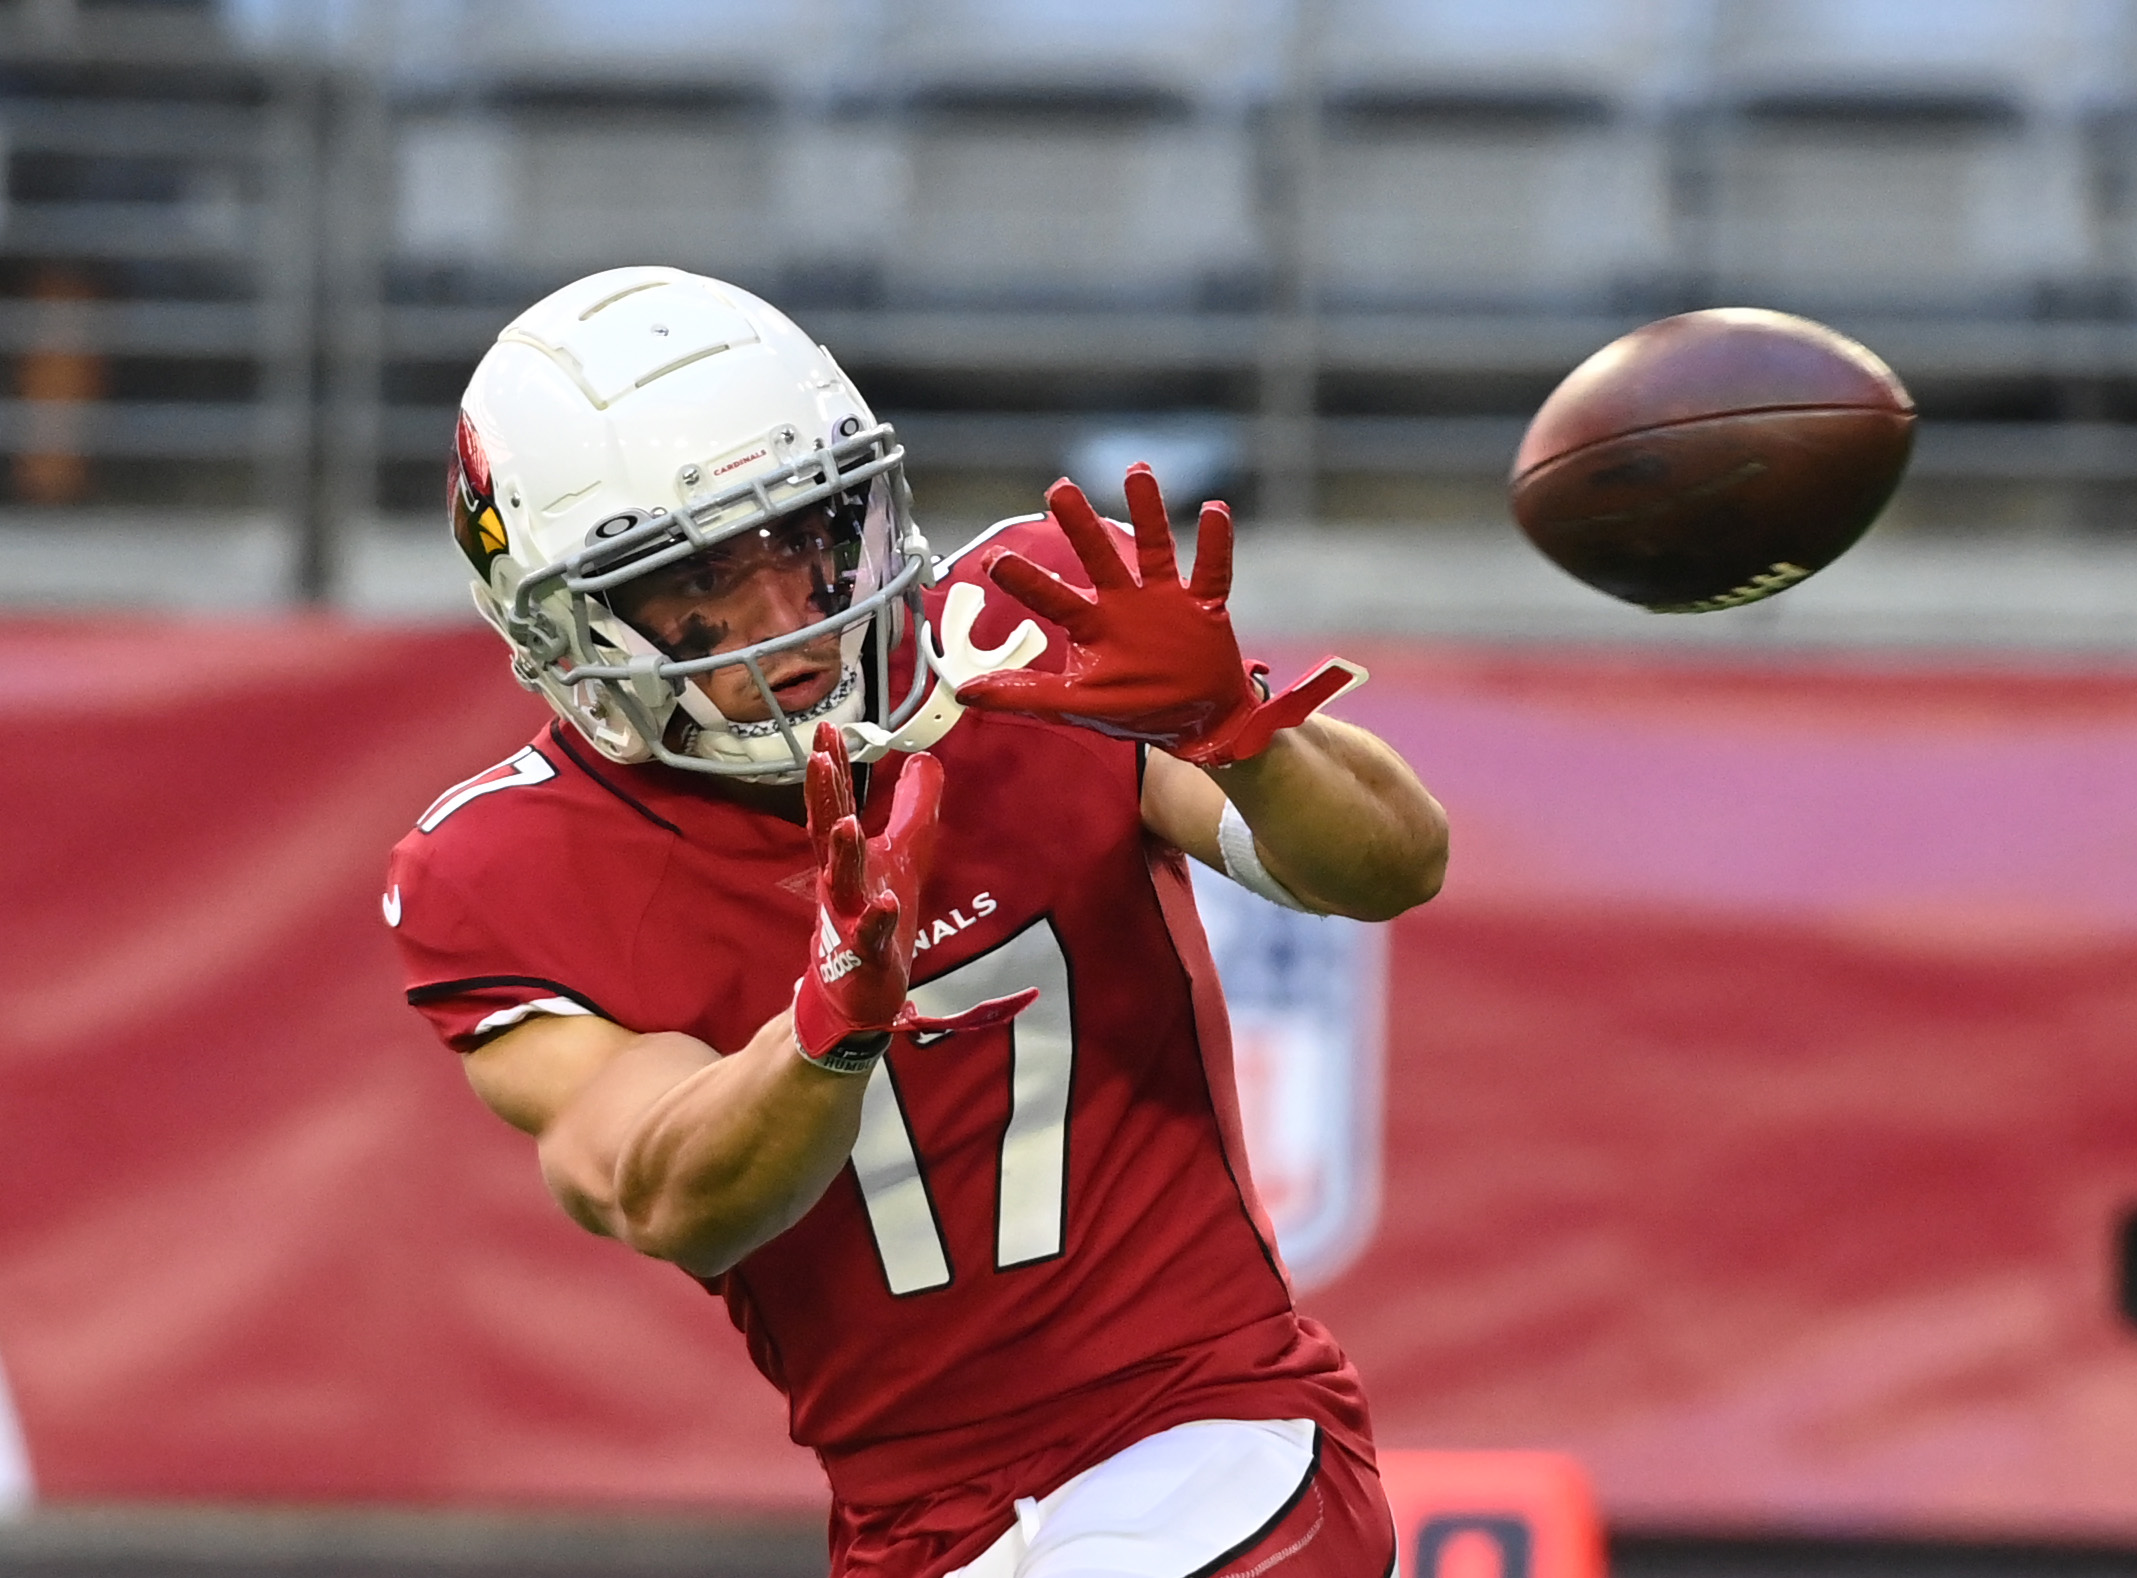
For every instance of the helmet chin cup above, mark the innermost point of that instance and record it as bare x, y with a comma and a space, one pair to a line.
762, 749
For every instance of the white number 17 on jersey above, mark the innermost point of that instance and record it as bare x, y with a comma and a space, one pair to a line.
1032, 1207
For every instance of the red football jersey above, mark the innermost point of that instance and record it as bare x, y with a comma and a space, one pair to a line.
1046, 1244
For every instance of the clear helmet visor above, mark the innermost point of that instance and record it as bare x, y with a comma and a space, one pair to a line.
762, 622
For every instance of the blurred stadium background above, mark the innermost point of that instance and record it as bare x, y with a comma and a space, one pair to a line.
1318, 256
1324, 255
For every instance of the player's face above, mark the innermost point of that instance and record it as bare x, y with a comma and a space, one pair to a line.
764, 584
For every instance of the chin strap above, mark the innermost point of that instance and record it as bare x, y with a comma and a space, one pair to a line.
955, 661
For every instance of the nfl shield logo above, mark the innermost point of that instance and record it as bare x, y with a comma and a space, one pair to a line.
1306, 995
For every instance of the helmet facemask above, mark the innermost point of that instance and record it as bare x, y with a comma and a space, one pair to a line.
834, 531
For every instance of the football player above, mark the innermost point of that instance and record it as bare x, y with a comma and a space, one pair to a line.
871, 993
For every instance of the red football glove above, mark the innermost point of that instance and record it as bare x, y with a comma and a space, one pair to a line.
1149, 659
867, 897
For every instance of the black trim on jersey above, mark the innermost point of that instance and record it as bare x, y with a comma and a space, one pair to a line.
1298, 1494
563, 741
1068, 1103
438, 991
1142, 768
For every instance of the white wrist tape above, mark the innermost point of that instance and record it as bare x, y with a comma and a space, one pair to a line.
1235, 844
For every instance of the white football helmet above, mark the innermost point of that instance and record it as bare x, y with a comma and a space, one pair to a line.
640, 416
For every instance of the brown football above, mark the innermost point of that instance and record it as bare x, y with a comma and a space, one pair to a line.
1712, 459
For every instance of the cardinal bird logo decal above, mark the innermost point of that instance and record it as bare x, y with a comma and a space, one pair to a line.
477, 527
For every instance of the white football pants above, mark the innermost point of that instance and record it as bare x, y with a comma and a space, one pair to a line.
1163, 1508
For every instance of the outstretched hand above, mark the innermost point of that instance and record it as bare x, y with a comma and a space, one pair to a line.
867, 897
1150, 658
868, 910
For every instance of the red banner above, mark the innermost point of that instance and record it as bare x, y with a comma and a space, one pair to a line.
1759, 1098
1763, 1090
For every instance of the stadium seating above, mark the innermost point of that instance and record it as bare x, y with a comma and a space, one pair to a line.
1904, 153
1059, 152
1487, 155
1094, 202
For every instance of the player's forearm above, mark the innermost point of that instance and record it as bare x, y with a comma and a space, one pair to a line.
1341, 820
735, 1154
